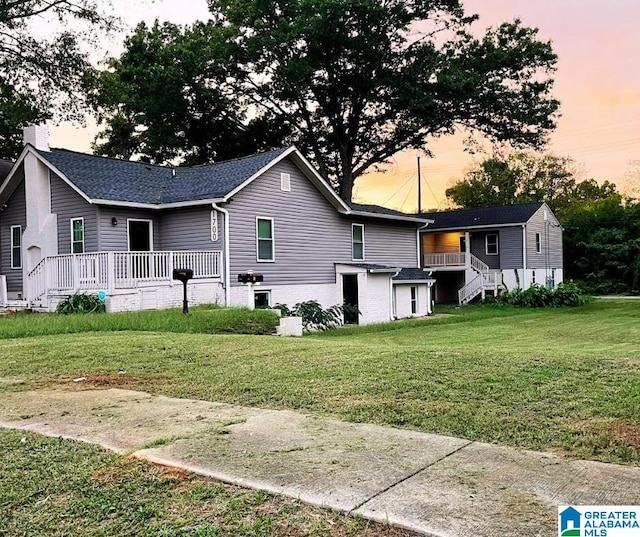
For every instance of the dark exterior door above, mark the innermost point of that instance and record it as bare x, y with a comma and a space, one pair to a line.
139, 236
139, 241
350, 298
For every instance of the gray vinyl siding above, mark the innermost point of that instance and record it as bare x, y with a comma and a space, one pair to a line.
68, 204
114, 238
15, 214
190, 229
550, 231
389, 244
310, 236
511, 247
479, 249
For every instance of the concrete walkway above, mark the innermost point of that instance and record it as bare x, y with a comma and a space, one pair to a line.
433, 484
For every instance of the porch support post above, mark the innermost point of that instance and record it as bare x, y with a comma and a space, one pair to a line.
171, 267
467, 249
75, 273
111, 272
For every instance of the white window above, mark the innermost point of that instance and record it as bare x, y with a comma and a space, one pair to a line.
264, 239
285, 182
538, 243
533, 276
262, 300
491, 244
357, 242
414, 300
16, 247
214, 226
77, 235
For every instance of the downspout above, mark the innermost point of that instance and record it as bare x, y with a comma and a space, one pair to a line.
227, 256
524, 256
419, 244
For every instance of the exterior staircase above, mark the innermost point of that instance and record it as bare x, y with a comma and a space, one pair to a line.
485, 280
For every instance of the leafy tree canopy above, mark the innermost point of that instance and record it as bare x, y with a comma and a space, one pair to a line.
37, 75
351, 82
527, 177
162, 101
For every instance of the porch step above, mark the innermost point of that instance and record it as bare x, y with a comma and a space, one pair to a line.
14, 305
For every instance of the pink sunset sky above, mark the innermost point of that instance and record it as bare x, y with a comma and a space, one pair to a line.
597, 82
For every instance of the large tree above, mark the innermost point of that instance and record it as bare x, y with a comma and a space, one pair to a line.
528, 177
40, 75
356, 81
162, 100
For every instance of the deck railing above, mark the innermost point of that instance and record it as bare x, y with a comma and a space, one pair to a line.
444, 260
116, 270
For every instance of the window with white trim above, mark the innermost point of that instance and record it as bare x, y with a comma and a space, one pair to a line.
214, 226
77, 235
533, 277
264, 239
357, 242
491, 244
16, 247
262, 300
414, 300
538, 243
285, 182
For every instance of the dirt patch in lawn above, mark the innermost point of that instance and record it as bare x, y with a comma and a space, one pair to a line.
628, 431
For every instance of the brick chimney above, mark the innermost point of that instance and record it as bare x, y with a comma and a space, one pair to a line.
37, 136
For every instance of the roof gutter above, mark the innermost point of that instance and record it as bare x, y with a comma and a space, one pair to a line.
486, 226
227, 256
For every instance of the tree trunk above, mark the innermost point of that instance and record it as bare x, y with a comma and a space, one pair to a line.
346, 185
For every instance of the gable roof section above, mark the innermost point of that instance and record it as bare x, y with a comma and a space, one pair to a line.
483, 217
108, 179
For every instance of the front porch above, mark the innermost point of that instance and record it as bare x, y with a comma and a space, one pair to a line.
450, 253
130, 280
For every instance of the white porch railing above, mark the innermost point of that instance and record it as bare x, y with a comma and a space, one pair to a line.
485, 281
116, 270
444, 260
478, 264
471, 290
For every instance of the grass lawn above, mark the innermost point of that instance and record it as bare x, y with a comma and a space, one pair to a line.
52, 487
566, 380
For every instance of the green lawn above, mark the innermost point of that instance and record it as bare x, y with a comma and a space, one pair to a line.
51, 487
566, 380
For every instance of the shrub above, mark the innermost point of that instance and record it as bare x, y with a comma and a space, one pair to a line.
81, 303
314, 317
538, 296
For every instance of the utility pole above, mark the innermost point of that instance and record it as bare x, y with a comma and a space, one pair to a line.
419, 188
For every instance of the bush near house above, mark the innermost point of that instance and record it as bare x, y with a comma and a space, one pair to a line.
81, 303
314, 317
538, 296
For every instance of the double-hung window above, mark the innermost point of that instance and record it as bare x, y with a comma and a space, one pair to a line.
265, 239
357, 242
16, 247
538, 243
491, 243
77, 235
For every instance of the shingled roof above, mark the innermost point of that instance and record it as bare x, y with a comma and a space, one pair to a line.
5, 168
101, 178
485, 216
